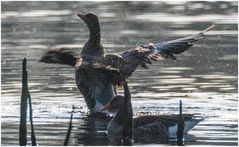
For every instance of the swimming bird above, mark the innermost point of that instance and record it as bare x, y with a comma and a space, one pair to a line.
98, 74
163, 125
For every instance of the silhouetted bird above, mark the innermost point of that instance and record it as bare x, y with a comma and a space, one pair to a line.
165, 126
97, 73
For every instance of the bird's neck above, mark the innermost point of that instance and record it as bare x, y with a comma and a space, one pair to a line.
116, 124
94, 33
119, 117
93, 49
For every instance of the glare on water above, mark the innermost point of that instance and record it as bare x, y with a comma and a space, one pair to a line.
204, 77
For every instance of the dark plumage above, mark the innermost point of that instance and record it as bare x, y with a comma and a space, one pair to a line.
163, 125
97, 73
61, 56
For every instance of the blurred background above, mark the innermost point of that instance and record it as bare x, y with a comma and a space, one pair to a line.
204, 77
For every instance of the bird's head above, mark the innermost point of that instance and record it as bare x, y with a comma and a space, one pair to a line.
116, 103
90, 19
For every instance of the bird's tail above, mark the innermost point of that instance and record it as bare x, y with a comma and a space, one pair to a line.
60, 56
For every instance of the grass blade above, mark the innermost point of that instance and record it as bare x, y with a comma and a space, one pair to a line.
23, 107
128, 123
69, 128
33, 137
181, 123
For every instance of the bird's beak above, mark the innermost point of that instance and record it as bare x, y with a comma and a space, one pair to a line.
82, 16
106, 107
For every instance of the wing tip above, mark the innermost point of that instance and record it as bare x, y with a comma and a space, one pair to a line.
209, 28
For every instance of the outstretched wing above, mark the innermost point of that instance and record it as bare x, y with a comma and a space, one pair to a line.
60, 56
168, 49
68, 57
145, 54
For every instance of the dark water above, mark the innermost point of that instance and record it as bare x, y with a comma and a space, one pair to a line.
205, 77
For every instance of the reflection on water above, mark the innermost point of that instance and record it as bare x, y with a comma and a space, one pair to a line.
205, 77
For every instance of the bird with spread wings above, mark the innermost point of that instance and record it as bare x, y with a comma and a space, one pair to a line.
98, 74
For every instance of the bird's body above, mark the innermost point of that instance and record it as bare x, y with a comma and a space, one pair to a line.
162, 125
169, 123
97, 74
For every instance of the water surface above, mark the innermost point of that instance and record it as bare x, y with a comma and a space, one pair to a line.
204, 77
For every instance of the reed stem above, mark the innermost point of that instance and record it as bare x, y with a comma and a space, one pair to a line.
33, 137
69, 128
23, 107
128, 123
180, 131
23, 110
